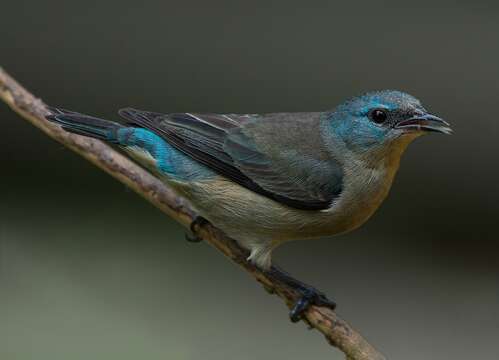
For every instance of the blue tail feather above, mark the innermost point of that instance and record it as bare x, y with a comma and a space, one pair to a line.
169, 160
86, 125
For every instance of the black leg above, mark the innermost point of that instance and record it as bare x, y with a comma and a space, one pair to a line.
198, 221
308, 294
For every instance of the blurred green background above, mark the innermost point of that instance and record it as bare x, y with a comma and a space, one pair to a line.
88, 270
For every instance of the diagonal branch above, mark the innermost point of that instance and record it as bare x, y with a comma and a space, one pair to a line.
336, 331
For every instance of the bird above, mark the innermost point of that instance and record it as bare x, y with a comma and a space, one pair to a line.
265, 179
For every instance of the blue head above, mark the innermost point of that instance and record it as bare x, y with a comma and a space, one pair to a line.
379, 121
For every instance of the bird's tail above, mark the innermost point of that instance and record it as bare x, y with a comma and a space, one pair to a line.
85, 125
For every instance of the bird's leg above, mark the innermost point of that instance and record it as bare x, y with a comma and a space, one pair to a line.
308, 294
197, 222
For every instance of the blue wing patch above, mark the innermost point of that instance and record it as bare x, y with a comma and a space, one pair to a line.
167, 159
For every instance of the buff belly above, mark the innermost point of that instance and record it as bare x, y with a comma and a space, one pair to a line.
259, 224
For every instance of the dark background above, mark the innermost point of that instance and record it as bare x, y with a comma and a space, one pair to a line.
89, 270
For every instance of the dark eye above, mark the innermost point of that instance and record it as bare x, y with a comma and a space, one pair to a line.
378, 116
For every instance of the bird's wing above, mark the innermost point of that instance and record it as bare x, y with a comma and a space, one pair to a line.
255, 151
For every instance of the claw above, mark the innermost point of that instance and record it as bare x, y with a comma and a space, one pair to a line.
308, 294
197, 222
299, 309
192, 238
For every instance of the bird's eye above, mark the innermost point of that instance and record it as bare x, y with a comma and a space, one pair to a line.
378, 116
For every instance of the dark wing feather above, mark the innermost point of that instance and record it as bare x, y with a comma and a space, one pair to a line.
220, 142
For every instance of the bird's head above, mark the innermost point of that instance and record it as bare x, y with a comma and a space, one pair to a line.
378, 121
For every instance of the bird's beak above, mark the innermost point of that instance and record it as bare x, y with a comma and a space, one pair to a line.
425, 122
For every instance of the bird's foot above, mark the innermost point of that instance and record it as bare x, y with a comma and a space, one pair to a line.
308, 295
196, 223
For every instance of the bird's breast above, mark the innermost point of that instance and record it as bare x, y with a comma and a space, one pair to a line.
243, 213
365, 188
